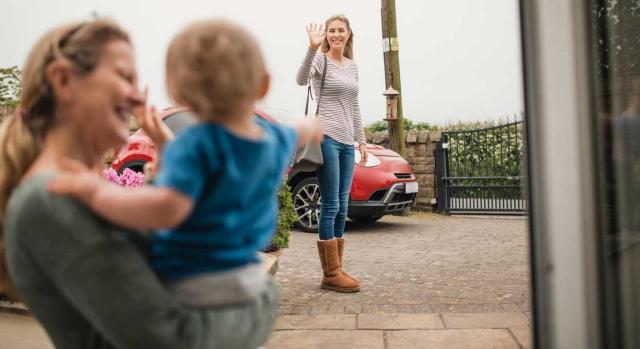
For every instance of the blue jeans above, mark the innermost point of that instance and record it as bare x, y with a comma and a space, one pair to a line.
334, 177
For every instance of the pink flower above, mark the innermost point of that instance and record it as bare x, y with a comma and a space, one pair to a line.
128, 178
111, 175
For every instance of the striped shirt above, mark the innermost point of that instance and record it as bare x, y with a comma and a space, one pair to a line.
339, 108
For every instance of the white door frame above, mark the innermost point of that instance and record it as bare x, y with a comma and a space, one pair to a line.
561, 171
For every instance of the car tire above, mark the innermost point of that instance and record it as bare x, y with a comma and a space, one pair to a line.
306, 204
364, 219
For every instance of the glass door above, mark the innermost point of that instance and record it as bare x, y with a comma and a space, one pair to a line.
615, 74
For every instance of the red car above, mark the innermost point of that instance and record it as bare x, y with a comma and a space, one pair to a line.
385, 185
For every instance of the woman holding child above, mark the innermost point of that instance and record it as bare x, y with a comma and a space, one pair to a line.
339, 114
79, 274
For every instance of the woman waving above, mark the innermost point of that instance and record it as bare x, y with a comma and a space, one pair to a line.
339, 114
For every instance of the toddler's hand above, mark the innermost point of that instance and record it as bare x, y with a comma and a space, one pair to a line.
149, 171
149, 120
309, 130
76, 180
318, 131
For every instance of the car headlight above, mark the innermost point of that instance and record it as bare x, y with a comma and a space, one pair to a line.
372, 160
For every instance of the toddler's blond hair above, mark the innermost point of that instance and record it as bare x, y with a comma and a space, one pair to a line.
213, 67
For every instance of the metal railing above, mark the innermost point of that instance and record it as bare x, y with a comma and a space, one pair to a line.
479, 171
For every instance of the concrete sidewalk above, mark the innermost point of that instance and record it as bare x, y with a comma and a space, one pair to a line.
401, 331
346, 331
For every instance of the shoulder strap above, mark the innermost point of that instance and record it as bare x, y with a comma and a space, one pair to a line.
309, 95
324, 74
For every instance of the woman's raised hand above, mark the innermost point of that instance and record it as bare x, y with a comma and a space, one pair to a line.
316, 35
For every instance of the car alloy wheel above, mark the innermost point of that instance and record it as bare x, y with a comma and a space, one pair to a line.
306, 203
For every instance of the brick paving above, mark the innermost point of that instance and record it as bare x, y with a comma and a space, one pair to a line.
428, 281
423, 263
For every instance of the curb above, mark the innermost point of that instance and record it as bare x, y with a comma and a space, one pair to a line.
270, 261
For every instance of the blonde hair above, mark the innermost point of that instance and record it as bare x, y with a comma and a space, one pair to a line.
21, 135
213, 67
348, 47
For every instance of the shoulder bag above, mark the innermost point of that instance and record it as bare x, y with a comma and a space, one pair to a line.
309, 158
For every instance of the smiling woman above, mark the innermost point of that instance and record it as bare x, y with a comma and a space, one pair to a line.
109, 93
334, 76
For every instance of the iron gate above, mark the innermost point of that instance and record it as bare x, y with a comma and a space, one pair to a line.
479, 171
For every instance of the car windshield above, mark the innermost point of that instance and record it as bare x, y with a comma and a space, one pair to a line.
178, 121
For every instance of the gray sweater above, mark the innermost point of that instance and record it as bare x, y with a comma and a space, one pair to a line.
339, 108
91, 288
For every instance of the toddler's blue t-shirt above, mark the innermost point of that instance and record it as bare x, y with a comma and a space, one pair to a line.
234, 183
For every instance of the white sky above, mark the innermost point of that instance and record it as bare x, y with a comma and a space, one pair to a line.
459, 60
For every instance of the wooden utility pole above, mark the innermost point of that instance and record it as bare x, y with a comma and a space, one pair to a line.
391, 48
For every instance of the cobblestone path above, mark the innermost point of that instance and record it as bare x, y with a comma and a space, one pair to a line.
423, 263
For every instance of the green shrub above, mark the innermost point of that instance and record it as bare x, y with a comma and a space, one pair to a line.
10, 86
479, 124
286, 217
383, 125
424, 126
497, 152
380, 125
408, 124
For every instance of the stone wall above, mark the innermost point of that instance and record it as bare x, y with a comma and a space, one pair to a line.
420, 152
6, 110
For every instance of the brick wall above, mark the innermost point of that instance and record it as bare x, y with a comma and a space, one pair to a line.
419, 151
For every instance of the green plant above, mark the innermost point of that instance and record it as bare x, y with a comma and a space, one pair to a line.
496, 153
424, 126
286, 217
10, 86
382, 125
376, 126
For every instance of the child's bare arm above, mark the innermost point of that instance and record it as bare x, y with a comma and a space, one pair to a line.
308, 130
141, 209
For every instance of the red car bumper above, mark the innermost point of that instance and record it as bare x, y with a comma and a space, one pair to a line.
381, 190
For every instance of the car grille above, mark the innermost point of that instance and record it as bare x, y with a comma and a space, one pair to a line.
401, 197
403, 175
399, 200
378, 195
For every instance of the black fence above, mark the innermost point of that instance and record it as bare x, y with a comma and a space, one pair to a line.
479, 171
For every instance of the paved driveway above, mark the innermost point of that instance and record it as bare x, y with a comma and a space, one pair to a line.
423, 263
428, 281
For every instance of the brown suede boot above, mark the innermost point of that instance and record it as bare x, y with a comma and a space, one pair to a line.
333, 279
340, 254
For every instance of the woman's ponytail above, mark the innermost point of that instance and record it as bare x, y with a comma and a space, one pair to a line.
18, 150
